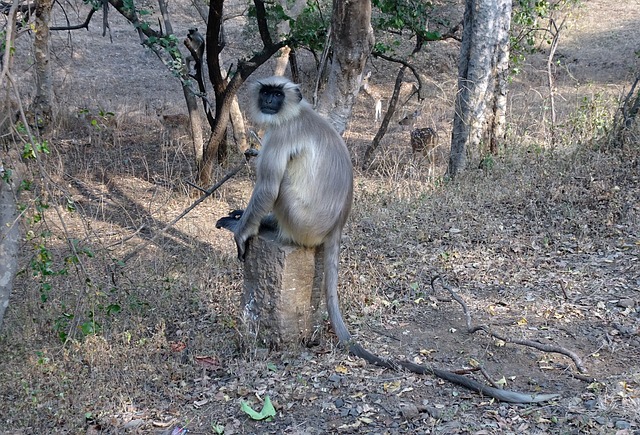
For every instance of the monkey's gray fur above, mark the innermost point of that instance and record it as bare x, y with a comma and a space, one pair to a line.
305, 179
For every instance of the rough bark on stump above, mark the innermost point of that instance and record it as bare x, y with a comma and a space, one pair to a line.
282, 291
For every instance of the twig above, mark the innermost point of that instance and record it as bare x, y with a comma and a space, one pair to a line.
543, 347
487, 377
129, 237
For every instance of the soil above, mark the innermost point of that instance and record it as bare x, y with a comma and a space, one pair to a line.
543, 246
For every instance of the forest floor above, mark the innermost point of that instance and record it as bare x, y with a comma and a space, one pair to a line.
544, 245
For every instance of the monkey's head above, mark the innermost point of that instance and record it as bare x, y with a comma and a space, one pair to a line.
275, 101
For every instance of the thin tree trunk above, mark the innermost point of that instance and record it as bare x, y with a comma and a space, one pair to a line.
226, 89
283, 27
237, 125
555, 31
460, 132
498, 97
195, 124
385, 121
195, 120
352, 38
43, 101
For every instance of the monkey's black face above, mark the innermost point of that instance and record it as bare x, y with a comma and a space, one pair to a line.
271, 99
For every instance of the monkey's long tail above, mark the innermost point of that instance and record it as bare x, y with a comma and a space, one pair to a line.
331, 263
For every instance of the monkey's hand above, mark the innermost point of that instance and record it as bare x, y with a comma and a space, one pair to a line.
241, 244
231, 221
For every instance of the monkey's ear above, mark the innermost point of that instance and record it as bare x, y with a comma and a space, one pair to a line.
299, 94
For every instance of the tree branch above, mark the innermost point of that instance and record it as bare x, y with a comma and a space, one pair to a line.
263, 27
84, 25
401, 62
472, 329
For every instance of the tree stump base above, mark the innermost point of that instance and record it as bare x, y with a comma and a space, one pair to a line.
282, 299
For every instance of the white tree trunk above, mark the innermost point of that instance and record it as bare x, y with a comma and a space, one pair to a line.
497, 103
11, 174
352, 38
482, 70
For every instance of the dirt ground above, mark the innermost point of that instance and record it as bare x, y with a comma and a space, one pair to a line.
544, 246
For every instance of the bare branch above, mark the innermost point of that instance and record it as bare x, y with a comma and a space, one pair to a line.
471, 329
84, 25
263, 27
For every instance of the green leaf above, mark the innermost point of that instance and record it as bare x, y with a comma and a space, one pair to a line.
267, 412
112, 309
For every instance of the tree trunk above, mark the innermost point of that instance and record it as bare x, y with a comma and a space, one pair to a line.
43, 101
498, 97
352, 38
481, 98
226, 89
283, 28
238, 126
195, 124
11, 175
385, 122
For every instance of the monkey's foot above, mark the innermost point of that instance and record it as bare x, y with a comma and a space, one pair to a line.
230, 222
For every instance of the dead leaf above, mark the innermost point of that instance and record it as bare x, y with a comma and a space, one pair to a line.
341, 369
522, 322
391, 387
208, 362
178, 346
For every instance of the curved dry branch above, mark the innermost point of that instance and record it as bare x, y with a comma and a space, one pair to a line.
496, 393
406, 64
84, 25
471, 329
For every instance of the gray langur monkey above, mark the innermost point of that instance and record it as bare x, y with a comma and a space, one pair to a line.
304, 186
195, 44
304, 190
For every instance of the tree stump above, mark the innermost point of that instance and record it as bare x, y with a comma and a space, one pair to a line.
282, 299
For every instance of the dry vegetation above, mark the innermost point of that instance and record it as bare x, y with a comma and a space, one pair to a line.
544, 246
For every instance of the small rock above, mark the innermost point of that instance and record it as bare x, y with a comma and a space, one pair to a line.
409, 410
434, 412
590, 404
133, 424
626, 303
621, 424
601, 420
339, 403
335, 378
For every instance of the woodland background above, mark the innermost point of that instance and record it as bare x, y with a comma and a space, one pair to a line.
540, 238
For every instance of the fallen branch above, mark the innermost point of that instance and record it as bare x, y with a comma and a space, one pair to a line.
496, 393
472, 329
